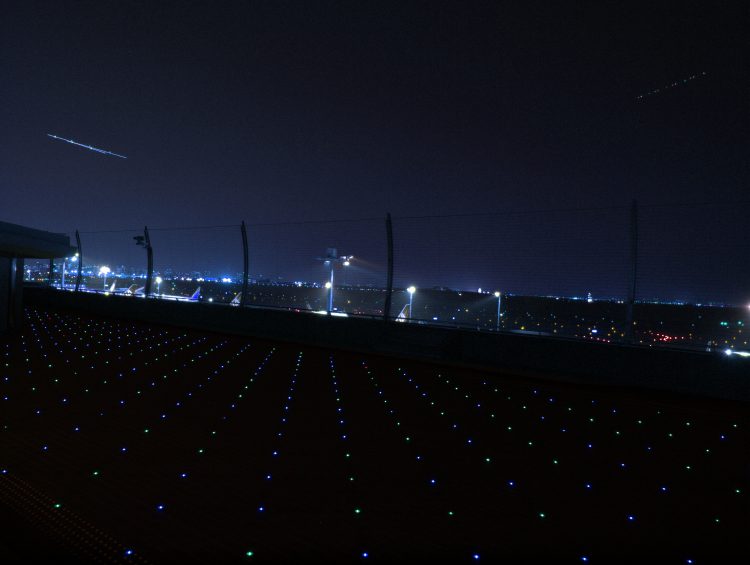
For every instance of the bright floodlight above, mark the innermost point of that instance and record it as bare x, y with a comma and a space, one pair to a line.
328, 284
104, 271
346, 263
74, 258
411, 289
728, 351
158, 280
497, 294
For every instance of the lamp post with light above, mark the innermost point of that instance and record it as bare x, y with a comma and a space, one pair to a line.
158, 286
330, 261
103, 272
411, 290
498, 295
72, 260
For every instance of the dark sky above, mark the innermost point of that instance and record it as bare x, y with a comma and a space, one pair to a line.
284, 111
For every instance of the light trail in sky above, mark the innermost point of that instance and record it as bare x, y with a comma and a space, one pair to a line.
87, 146
671, 85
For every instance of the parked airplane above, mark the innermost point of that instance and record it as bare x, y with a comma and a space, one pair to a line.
135, 290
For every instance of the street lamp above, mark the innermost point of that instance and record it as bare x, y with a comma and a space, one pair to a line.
72, 260
158, 285
103, 272
329, 261
498, 295
411, 290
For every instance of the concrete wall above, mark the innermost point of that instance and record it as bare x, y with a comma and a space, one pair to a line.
704, 374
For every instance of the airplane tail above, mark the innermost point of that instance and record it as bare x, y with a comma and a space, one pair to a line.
112, 288
196, 295
237, 299
404, 314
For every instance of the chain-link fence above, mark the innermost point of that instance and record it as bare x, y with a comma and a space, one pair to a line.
673, 275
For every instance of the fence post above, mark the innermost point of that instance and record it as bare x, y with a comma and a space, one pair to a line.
80, 261
632, 290
246, 264
149, 262
389, 281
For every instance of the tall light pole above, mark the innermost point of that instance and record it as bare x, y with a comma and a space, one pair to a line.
411, 290
329, 287
103, 272
330, 261
498, 295
72, 260
158, 285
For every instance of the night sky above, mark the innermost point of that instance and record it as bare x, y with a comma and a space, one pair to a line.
286, 111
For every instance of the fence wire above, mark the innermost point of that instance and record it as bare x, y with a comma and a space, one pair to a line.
567, 272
